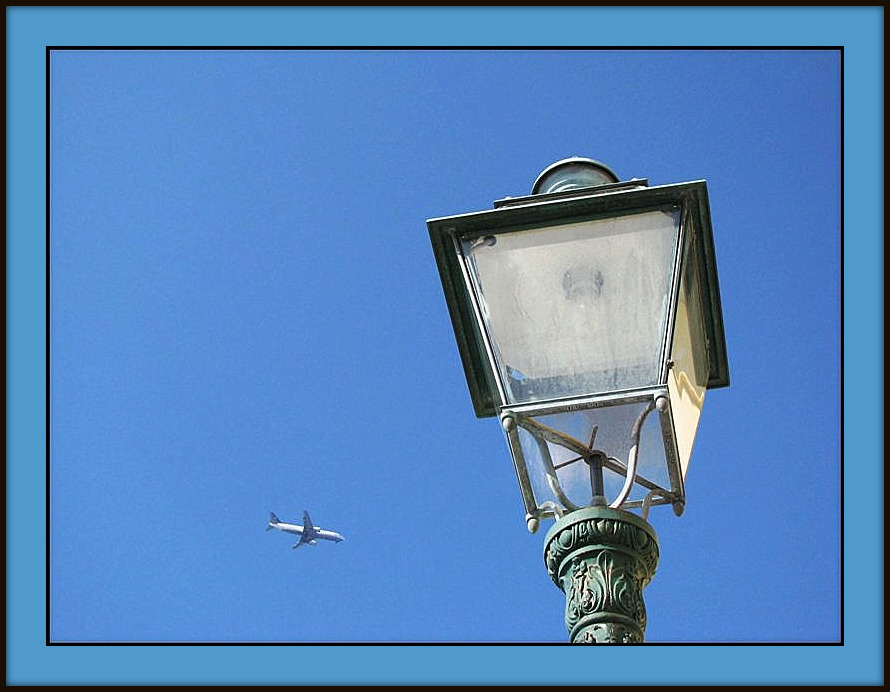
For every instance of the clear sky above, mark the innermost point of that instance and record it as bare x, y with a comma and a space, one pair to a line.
245, 316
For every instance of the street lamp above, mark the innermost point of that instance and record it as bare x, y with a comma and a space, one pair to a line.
588, 319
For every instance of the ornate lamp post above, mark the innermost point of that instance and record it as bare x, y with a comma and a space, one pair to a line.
588, 319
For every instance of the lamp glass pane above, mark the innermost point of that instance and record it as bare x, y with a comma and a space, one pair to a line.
688, 375
552, 446
578, 308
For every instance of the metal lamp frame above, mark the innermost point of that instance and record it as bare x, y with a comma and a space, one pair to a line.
538, 211
581, 204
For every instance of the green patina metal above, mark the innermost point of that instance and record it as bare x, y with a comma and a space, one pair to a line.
602, 559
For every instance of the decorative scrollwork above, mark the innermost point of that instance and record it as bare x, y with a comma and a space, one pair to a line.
607, 582
608, 633
602, 559
600, 531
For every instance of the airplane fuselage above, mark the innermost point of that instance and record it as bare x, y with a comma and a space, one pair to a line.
315, 533
308, 533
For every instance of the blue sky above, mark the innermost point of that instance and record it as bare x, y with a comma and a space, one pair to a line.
244, 315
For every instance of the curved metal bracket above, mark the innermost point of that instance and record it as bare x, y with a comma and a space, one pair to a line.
632, 456
596, 459
552, 478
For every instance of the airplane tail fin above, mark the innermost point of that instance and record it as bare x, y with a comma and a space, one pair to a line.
272, 521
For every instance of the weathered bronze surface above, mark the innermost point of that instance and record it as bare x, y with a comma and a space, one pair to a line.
602, 559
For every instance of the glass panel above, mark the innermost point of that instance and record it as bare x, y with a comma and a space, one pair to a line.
688, 376
578, 308
555, 447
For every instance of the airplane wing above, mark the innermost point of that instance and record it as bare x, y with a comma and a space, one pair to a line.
307, 522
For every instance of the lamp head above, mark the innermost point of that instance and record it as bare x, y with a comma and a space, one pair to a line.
588, 319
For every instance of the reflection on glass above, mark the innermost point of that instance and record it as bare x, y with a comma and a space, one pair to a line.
565, 452
688, 375
578, 308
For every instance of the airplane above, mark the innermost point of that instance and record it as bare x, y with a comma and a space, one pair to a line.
308, 533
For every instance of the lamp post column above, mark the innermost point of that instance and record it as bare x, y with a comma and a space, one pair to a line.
602, 558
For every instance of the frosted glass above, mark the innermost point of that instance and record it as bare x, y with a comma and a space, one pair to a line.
688, 375
578, 308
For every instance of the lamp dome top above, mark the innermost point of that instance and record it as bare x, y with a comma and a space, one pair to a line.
572, 173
